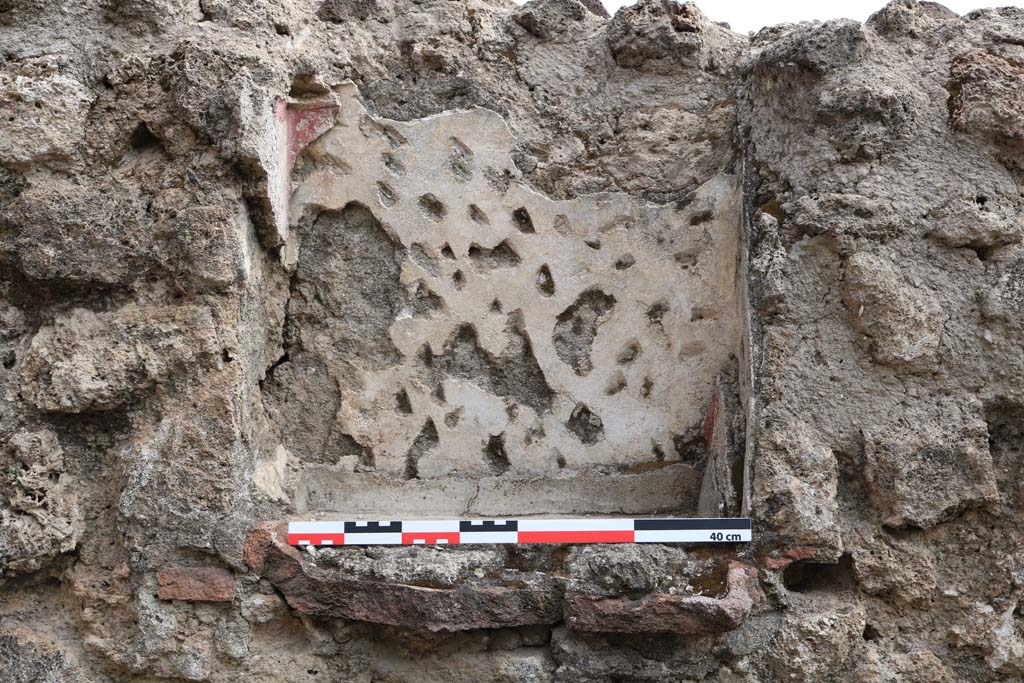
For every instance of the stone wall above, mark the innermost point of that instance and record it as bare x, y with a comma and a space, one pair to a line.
285, 260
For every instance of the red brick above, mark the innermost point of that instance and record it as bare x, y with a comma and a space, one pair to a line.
198, 584
259, 540
789, 557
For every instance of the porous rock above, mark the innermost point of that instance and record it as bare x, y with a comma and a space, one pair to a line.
96, 361
283, 260
920, 473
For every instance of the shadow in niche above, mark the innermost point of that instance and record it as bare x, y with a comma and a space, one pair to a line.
814, 577
385, 297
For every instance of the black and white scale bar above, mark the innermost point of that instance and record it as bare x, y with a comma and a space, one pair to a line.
530, 530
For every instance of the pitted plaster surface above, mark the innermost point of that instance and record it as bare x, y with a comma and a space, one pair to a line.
627, 308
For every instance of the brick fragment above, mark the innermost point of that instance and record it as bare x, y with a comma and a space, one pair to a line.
782, 560
668, 613
259, 539
197, 584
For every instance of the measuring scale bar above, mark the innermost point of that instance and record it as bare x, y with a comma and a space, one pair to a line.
462, 531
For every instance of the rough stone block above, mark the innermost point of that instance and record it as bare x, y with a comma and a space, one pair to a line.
987, 95
98, 361
922, 471
39, 511
42, 114
902, 321
796, 479
196, 584
667, 613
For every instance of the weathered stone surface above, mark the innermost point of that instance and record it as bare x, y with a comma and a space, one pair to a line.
278, 260
919, 474
39, 507
97, 361
817, 641
198, 584
647, 658
43, 113
986, 95
795, 485
902, 321
667, 613
27, 657
885, 566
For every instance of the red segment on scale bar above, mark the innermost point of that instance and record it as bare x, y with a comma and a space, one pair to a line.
430, 538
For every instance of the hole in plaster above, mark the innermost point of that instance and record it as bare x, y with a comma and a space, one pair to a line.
593, 244
629, 353
647, 387
388, 196
585, 424
451, 420
447, 252
418, 254
561, 225
534, 433
576, 328
460, 160
560, 460
495, 455
690, 447
9, 359
458, 279
438, 393
432, 207
702, 217
369, 127
625, 262
698, 313
424, 301
477, 215
392, 163
657, 451
501, 256
523, 222
686, 259
426, 441
402, 403
545, 283
616, 383
426, 355
657, 312
496, 306
870, 633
